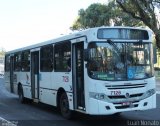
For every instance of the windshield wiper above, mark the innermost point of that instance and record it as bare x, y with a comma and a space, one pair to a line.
113, 44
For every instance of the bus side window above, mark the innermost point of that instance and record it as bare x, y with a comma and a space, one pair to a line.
62, 57
26, 61
7, 63
69, 64
46, 58
17, 62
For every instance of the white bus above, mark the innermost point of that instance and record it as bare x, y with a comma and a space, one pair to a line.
98, 71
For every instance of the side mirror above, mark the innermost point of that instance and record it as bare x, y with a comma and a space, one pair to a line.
154, 55
86, 55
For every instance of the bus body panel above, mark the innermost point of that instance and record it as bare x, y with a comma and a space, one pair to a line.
7, 81
48, 96
46, 92
27, 91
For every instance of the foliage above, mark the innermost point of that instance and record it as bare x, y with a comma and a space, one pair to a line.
2, 52
100, 14
144, 10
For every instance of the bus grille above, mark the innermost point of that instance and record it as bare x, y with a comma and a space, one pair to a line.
120, 100
125, 86
123, 96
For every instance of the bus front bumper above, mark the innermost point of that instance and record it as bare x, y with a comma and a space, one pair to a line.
98, 107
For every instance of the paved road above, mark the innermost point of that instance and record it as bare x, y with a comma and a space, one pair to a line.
158, 84
31, 114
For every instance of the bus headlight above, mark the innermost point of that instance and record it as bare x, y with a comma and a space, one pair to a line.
98, 96
150, 92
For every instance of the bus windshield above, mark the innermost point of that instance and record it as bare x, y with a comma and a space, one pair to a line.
120, 61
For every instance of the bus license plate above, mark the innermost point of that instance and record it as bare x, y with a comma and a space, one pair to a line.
127, 104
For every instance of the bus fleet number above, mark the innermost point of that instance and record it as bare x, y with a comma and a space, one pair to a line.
115, 93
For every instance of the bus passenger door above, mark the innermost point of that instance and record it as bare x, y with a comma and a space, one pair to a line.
78, 75
11, 73
35, 74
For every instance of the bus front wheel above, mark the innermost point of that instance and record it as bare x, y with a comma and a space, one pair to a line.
64, 106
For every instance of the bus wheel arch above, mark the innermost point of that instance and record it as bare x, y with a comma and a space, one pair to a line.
63, 103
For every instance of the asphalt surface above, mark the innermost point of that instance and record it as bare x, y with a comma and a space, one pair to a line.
32, 114
158, 84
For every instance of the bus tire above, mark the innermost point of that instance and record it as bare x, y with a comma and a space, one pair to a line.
21, 95
118, 114
64, 106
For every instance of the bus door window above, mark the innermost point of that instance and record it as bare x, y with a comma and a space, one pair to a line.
79, 75
35, 74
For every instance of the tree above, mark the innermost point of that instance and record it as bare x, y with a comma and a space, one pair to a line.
94, 15
144, 10
2, 52
100, 14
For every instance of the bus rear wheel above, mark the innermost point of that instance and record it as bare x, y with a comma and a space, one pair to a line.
20, 94
64, 106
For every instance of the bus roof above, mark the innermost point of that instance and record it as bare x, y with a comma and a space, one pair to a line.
73, 35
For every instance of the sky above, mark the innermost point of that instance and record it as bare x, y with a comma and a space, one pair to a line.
27, 22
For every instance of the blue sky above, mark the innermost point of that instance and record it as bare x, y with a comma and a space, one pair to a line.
26, 22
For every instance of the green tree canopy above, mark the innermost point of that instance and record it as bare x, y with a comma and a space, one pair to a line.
100, 14
144, 10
